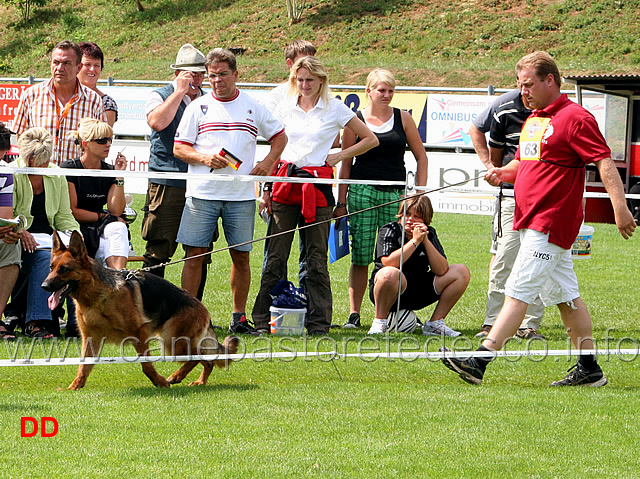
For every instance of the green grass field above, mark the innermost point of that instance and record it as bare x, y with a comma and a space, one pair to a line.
353, 418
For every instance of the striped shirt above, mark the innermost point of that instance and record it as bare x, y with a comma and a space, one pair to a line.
210, 124
38, 107
6, 189
506, 127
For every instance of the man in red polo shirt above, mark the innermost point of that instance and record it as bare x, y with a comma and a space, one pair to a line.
557, 141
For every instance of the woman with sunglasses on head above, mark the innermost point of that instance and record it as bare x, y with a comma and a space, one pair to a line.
105, 233
89, 74
312, 121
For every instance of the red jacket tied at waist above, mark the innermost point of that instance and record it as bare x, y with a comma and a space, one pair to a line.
308, 195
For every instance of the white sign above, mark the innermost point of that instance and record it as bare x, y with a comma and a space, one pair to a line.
449, 117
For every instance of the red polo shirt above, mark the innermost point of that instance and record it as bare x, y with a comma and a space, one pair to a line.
555, 145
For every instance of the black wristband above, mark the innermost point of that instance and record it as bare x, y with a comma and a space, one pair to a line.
340, 205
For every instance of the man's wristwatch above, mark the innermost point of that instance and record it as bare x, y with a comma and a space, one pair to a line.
340, 205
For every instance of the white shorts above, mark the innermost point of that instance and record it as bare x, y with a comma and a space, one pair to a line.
114, 241
542, 268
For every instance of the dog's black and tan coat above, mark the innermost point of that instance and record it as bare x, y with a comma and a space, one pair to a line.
121, 306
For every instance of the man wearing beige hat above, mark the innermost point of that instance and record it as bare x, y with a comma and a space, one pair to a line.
166, 197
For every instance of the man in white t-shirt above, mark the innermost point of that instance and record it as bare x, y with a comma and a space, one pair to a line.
217, 136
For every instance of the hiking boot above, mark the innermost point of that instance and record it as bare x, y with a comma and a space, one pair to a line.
438, 328
378, 326
353, 322
484, 331
529, 333
242, 326
579, 376
468, 369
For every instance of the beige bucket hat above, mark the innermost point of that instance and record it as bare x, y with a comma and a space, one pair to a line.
189, 58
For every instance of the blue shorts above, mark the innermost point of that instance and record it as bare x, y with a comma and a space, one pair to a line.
200, 218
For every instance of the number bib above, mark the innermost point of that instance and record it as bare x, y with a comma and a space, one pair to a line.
531, 137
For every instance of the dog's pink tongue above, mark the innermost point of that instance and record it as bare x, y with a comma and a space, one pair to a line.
54, 300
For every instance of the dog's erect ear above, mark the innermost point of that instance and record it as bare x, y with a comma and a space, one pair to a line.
57, 244
76, 244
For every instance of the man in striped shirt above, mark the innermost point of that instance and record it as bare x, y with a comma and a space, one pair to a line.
59, 103
217, 137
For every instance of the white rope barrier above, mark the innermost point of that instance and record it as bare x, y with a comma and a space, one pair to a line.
161, 359
403, 355
493, 354
189, 176
249, 178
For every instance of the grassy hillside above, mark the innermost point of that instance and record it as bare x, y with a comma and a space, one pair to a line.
449, 42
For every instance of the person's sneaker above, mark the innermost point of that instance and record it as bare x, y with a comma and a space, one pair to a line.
467, 369
378, 326
579, 376
242, 326
529, 333
353, 322
484, 331
438, 328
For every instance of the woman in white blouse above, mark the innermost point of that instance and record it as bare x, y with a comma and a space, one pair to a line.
312, 121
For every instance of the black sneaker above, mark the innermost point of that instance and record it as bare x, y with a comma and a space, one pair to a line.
353, 322
467, 369
242, 326
579, 376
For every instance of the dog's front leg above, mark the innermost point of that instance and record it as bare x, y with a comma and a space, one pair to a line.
83, 369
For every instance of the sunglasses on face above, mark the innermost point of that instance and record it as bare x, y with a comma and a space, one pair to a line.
103, 141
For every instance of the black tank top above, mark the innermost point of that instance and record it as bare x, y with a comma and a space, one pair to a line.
385, 161
40, 223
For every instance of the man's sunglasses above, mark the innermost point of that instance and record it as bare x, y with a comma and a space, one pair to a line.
103, 141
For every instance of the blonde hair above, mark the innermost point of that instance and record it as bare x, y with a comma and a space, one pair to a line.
316, 68
36, 144
542, 63
422, 207
91, 129
380, 75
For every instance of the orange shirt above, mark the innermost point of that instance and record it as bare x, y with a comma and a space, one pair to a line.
39, 106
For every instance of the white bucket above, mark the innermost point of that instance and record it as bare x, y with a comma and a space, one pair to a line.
581, 248
288, 322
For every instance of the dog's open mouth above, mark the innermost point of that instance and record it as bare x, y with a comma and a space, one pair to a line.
57, 296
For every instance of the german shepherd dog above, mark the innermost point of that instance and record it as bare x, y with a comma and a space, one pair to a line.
119, 306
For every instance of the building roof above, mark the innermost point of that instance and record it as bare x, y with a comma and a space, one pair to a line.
606, 82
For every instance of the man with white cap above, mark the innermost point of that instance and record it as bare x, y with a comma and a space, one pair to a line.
166, 197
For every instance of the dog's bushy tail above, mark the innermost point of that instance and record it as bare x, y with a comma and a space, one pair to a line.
229, 346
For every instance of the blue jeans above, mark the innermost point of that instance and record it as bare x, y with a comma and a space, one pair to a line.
36, 265
200, 220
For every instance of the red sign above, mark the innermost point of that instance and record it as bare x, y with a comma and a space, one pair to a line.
9, 99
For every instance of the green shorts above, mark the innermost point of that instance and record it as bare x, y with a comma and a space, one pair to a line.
10, 254
364, 226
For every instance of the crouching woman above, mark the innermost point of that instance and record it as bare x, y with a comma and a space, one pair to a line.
426, 276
